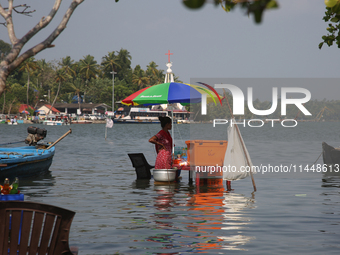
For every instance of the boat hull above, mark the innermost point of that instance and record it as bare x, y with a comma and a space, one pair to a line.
24, 161
122, 121
81, 122
330, 154
55, 123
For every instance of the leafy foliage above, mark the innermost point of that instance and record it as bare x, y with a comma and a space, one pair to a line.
255, 8
5, 48
332, 15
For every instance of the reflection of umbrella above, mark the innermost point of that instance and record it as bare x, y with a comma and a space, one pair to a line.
168, 93
171, 92
26, 112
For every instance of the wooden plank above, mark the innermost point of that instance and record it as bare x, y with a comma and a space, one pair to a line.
6, 233
36, 231
55, 236
47, 232
15, 230
25, 232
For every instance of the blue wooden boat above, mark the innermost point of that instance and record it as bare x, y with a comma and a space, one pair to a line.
24, 161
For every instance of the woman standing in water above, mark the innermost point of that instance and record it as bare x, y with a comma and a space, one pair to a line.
163, 144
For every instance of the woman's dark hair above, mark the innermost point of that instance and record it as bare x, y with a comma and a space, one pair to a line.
164, 120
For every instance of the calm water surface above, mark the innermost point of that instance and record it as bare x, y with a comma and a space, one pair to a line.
291, 213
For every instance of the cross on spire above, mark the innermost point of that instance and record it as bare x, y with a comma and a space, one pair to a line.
168, 55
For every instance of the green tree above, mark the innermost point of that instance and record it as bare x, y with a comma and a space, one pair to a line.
156, 76
28, 66
124, 70
110, 64
88, 68
60, 77
44, 73
68, 66
77, 88
139, 77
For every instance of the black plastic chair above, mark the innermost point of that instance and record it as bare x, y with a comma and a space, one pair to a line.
141, 165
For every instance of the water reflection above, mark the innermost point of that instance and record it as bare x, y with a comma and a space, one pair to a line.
218, 218
204, 219
330, 201
38, 185
236, 221
164, 202
331, 179
141, 184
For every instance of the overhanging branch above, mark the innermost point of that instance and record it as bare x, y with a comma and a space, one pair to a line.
47, 43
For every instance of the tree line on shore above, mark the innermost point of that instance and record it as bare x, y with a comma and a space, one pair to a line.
71, 81
86, 81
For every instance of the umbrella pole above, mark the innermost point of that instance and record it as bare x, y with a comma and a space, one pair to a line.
172, 132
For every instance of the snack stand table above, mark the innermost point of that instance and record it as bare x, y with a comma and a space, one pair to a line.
203, 153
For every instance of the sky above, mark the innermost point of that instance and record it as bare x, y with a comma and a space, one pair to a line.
206, 43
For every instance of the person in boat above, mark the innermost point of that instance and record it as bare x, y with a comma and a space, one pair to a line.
163, 144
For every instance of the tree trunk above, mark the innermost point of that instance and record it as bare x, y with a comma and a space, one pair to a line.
3, 107
10, 106
55, 98
28, 85
3, 77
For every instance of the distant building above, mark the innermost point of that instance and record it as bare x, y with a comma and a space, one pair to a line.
86, 108
45, 109
24, 107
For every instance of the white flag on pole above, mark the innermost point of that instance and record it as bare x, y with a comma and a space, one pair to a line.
109, 123
236, 156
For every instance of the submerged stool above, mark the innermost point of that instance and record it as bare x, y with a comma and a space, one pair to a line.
141, 165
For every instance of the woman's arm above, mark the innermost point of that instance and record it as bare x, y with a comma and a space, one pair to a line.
154, 140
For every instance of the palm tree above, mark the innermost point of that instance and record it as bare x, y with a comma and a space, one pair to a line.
77, 88
139, 77
154, 73
110, 64
67, 64
124, 58
124, 62
89, 68
29, 65
60, 76
40, 71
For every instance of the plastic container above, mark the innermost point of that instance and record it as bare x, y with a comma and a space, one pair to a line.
206, 152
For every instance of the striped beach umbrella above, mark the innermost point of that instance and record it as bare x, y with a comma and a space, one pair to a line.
171, 92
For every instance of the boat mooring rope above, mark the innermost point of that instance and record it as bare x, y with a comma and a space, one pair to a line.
12, 143
317, 159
